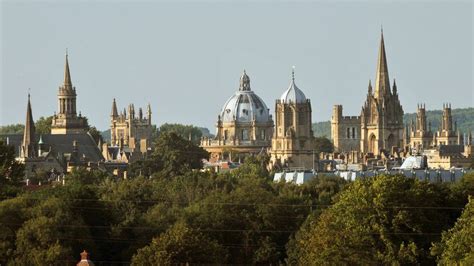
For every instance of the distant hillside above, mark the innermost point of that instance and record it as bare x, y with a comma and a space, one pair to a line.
463, 116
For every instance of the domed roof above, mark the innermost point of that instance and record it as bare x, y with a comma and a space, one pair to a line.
245, 105
293, 94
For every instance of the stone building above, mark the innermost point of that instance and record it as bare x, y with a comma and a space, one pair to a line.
244, 125
379, 128
68, 145
130, 134
293, 139
67, 121
448, 134
420, 136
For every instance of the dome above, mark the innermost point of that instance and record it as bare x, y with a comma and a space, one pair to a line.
245, 105
293, 94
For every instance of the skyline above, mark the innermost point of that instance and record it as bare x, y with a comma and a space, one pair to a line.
99, 76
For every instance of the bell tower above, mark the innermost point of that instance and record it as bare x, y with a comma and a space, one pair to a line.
66, 120
292, 142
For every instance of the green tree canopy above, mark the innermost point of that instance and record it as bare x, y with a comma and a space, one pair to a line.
12, 129
172, 156
381, 220
179, 245
457, 244
323, 144
188, 132
11, 171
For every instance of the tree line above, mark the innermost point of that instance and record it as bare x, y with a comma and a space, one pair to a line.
170, 212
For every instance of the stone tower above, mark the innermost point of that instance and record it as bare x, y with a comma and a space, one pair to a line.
132, 131
447, 133
28, 146
293, 140
420, 132
66, 121
382, 114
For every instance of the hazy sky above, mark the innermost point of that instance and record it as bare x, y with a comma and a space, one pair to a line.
185, 58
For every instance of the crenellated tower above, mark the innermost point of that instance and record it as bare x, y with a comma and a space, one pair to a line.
421, 136
131, 130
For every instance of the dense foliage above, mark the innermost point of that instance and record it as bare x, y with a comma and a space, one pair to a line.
178, 215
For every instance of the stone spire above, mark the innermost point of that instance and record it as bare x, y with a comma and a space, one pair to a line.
29, 139
67, 75
244, 82
148, 113
382, 81
114, 113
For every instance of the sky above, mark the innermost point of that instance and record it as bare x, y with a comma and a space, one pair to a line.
185, 58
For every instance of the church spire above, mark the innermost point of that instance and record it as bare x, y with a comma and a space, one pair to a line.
382, 81
114, 113
67, 74
28, 145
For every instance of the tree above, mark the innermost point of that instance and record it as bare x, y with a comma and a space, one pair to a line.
96, 135
381, 220
179, 245
457, 244
188, 132
172, 156
11, 171
43, 125
323, 144
12, 129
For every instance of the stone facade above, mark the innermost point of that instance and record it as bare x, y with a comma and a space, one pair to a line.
243, 127
131, 130
379, 128
345, 130
293, 139
67, 121
421, 136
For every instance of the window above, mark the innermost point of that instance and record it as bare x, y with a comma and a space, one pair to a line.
226, 134
348, 134
245, 134
353, 132
262, 134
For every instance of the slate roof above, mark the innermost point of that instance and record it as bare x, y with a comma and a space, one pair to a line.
62, 144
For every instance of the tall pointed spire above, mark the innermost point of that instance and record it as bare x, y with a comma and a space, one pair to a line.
382, 81
67, 74
28, 145
114, 113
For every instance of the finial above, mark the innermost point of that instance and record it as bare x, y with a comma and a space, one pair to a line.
293, 73
381, 29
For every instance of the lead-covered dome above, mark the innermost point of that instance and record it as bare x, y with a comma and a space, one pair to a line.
245, 105
293, 94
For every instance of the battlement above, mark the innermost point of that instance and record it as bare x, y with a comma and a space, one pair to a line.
352, 119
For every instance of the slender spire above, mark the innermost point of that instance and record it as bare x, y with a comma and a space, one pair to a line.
114, 109
382, 81
67, 74
29, 132
370, 87
293, 74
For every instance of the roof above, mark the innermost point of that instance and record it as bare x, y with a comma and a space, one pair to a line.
293, 94
61, 143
